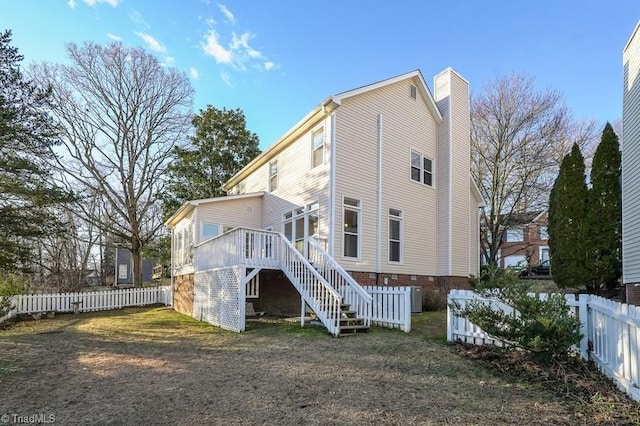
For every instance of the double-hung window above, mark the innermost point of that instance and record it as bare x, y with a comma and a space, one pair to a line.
421, 168
351, 233
395, 235
317, 155
273, 175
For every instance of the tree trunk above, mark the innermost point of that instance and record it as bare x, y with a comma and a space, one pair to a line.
136, 257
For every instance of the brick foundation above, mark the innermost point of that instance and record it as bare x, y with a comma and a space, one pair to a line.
432, 287
633, 294
183, 294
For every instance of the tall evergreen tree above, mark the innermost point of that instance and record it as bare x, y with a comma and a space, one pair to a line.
605, 212
27, 134
567, 223
220, 147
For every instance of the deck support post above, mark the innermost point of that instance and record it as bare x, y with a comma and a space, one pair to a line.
302, 311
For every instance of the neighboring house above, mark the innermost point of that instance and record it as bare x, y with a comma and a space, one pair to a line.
124, 267
374, 181
631, 168
525, 240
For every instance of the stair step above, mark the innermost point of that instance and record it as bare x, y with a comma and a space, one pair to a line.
351, 330
351, 321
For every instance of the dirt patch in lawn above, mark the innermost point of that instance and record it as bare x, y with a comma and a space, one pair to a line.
155, 366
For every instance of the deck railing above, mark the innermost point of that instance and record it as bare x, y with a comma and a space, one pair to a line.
258, 248
351, 292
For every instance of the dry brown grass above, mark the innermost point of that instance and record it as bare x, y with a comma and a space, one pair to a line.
154, 366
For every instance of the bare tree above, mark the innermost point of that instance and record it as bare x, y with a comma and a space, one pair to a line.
518, 139
121, 113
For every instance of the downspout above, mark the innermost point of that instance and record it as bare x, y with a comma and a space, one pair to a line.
332, 187
379, 196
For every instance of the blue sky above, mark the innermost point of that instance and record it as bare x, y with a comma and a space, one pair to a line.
277, 59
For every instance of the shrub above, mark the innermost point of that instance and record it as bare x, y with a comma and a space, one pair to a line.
9, 286
493, 277
544, 327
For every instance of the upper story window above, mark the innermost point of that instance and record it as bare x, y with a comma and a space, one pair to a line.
413, 92
273, 175
544, 234
514, 235
317, 156
421, 168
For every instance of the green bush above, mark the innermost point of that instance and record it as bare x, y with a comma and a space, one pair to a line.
9, 285
493, 277
545, 328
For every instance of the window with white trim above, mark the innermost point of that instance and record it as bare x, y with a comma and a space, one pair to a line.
395, 235
273, 175
210, 230
514, 235
544, 233
421, 168
351, 231
296, 221
253, 287
317, 151
183, 246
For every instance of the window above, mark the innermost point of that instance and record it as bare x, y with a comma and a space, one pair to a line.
351, 227
296, 221
318, 148
395, 231
412, 91
514, 235
183, 246
210, 230
421, 168
544, 234
253, 287
273, 175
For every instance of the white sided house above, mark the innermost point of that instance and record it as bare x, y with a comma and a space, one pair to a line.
631, 168
372, 187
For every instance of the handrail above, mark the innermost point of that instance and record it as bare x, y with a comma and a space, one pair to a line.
352, 293
335, 265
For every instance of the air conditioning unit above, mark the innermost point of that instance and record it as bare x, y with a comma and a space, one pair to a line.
416, 299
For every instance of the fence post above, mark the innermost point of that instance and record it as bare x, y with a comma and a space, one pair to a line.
585, 324
449, 317
407, 309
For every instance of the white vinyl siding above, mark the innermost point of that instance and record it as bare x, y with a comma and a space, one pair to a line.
631, 161
407, 124
226, 214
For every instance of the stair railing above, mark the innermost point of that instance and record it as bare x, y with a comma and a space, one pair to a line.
340, 280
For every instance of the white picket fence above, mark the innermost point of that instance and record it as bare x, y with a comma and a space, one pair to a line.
88, 301
610, 330
391, 306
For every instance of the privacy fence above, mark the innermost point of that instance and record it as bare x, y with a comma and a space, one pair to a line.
88, 301
610, 330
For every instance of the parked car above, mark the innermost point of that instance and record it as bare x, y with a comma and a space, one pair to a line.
541, 269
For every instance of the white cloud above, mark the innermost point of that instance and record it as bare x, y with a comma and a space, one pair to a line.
114, 37
268, 65
194, 73
151, 42
227, 13
169, 60
113, 3
72, 4
212, 47
226, 78
136, 18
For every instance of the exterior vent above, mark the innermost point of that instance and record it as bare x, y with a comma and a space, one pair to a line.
249, 209
412, 92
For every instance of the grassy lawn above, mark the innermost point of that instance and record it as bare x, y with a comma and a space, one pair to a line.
155, 366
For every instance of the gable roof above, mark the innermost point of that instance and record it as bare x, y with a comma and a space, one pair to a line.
325, 109
188, 206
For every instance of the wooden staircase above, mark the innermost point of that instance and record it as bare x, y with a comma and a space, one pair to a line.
350, 324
